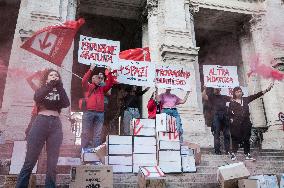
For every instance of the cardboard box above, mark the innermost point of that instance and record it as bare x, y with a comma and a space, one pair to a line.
122, 168
68, 161
229, 175
119, 140
188, 163
151, 179
170, 166
136, 167
91, 176
143, 131
94, 154
265, 181
10, 181
166, 136
168, 155
144, 158
185, 150
120, 159
169, 145
165, 123
144, 140
196, 149
120, 149
149, 123
144, 149
246, 183
101, 152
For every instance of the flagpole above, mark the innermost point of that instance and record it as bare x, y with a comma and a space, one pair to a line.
76, 75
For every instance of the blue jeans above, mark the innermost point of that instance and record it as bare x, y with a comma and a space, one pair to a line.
92, 125
173, 112
45, 129
221, 123
129, 114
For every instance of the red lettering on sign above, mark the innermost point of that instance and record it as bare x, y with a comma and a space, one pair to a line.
137, 126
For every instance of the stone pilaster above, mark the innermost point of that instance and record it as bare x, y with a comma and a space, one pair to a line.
274, 100
253, 82
18, 96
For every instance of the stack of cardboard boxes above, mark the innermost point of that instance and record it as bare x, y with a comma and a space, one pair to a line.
120, 153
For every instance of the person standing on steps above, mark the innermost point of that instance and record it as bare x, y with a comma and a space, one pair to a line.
240, 124
220, 118
169, 104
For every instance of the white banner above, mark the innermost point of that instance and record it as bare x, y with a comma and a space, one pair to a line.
99, 51
137, 73
217, 76
174, 77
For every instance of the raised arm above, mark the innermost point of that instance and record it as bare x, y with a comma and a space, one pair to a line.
184, 99
64, 100
259, 94
85, 83
142, 92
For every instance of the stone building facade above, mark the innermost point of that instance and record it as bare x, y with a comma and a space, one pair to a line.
191, 33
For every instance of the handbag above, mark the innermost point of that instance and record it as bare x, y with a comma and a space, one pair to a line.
83, 101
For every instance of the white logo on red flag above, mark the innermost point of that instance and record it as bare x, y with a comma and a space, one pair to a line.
44, 42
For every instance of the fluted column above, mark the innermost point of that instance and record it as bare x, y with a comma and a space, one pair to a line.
18, 96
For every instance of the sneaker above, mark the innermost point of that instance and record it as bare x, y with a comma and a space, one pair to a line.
249, 157
233, 157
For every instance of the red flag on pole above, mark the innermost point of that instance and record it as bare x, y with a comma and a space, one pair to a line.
137, 54
53, 43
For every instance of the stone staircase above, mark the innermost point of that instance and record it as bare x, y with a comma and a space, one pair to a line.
267, 162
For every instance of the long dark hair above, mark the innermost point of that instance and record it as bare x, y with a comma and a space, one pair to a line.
235, 90
45, 75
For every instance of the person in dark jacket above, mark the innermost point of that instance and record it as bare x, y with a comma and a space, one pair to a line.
240, 124
46, 129
220, 118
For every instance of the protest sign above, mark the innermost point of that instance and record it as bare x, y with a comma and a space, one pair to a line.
217, 76
174, 77
137, 73
99, 51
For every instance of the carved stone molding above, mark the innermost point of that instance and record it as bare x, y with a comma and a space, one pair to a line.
193, 8
152, 7
230, 5
178, 53
256, 22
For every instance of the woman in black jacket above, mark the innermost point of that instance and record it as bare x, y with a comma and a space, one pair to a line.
240, 124
46, 129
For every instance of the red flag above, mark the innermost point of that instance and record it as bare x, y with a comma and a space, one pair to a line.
52, 43
137, 54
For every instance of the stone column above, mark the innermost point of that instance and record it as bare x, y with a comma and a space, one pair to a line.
178, 47
150, 38
253, 82
18, 96
274, 100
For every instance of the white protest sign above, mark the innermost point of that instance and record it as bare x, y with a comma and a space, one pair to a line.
137, 73
217, 76
174, 77
99, 51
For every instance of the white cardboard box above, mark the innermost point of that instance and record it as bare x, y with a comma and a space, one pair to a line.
144, 140
188, 163
265, 181
169, 145
144, 131
119, 140
119, 149
144, 149
152, 171
120, 159
122, 168
165, 123
68, 161
166, 136
185, 150
149, 123
136, 167
170, 167
167, 155
90, 157
144, 158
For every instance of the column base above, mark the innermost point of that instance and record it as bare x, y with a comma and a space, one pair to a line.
274, 138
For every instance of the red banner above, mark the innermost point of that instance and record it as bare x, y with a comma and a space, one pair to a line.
53, 43
137, 54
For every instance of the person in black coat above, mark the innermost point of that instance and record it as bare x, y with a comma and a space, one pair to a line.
240, 124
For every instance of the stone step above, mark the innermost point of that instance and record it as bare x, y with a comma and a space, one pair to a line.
229, 161
207, 157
